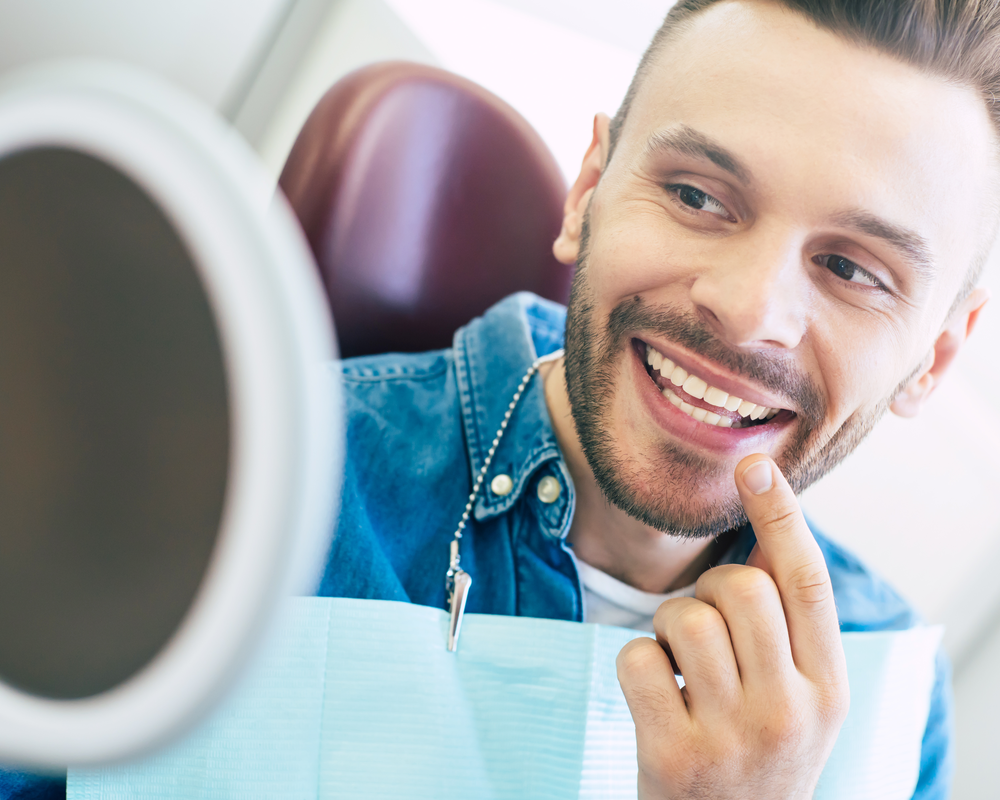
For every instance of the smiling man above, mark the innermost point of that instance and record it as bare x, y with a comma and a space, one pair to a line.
777, 241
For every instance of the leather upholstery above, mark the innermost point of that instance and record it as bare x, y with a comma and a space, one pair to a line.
425, 199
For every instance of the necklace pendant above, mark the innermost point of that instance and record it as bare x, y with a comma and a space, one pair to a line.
460, 583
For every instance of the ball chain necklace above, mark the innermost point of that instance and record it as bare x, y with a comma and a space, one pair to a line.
457, 580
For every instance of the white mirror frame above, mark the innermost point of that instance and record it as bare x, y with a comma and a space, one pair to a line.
284, 401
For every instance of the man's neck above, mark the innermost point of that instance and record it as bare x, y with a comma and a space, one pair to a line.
603, 535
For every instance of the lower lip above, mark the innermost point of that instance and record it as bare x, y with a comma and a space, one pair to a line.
756, 439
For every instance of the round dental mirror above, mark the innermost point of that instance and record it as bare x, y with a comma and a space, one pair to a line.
169, 451
114, 425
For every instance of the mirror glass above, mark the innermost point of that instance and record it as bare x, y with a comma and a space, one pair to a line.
114, 425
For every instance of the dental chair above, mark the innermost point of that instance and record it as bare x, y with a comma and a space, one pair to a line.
425, 200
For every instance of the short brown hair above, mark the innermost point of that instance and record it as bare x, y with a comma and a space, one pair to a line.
957, 39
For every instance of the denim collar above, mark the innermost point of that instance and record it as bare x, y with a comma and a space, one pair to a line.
492, 355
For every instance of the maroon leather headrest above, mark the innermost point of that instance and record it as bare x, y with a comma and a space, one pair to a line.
425, 199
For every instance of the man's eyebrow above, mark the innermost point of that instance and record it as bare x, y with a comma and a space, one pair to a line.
909, 243
690, 142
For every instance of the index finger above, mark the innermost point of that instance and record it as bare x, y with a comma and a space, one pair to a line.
796, 564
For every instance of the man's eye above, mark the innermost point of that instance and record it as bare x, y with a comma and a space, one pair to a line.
695, 198
850, 272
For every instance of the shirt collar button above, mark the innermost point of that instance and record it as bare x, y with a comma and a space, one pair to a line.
548, 489
502, 485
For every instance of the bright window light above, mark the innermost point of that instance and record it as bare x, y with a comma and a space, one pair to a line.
557, 77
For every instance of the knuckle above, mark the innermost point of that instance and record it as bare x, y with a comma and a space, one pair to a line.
781, 518
785, 726
715, 576
811, 584
834, 702
668, 610
750, 586
698, 623
638, 658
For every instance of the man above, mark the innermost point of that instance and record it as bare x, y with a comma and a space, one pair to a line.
777, 241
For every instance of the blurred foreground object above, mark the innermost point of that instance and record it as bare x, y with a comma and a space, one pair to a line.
169, 440
425, 199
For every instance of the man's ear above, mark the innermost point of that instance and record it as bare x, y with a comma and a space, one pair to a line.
567, 246
909, 402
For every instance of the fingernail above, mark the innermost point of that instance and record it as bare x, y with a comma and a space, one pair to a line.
757, 477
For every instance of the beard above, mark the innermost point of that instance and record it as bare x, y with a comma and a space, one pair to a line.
595, 352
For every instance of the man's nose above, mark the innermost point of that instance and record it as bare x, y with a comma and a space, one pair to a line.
754, 293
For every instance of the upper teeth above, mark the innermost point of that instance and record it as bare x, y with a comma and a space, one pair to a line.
698, 388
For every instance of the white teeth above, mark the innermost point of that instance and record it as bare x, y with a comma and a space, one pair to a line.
695, 387
698, 388
672, 397
700, 414
715, 397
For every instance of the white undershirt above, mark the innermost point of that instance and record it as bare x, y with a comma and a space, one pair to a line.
608, 601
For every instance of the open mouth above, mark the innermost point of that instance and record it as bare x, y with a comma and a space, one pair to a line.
700, 400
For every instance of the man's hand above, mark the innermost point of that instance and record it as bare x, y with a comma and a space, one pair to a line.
759, 647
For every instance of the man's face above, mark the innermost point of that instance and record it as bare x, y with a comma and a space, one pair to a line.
787, 218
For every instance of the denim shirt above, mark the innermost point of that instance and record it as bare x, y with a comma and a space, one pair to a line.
419, 428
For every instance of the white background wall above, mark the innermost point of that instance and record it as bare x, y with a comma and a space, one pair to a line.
917, 500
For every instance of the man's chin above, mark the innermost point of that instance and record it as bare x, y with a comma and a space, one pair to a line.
680, 495
686, 521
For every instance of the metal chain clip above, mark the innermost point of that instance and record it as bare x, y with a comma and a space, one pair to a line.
457, 580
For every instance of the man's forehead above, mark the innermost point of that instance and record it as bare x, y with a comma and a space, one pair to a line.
802, 109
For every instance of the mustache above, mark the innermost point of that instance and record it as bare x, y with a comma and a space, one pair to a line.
775, 370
